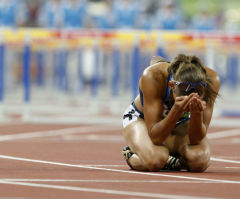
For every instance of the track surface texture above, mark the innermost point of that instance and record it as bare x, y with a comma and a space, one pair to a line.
84, 161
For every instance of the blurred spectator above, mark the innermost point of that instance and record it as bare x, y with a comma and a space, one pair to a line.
102, 15
13, 13
232, 20
203, 21
168, 17
74, 12
51, 14
144, 21
148, 8
33, 10
109, 14
126, 13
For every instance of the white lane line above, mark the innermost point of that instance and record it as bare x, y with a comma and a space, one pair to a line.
118, 170
95, 137
102, 120
223, 134
105, 165
90, 129
106, 181
103, 191
232, 167
225, 122
75, 130
224, 160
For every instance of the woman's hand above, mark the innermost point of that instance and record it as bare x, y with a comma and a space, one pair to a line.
182, 103
196, 105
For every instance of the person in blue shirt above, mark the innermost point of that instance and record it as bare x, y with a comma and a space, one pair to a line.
104, 17
13, 13
126, 13
203, 21
51, 14
168, 17
75, 14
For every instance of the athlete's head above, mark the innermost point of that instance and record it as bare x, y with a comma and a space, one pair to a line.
189, 76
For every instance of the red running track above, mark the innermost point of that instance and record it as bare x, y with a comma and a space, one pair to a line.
84, 161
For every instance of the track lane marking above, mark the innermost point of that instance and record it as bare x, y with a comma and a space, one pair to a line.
106, 181
91, 129
106, 165
223, 134
224, 160
49, 133
88, 129
116, 170
103, 191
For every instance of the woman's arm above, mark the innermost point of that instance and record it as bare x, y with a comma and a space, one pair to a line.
166, 125
201, 115
153, 92
197, 128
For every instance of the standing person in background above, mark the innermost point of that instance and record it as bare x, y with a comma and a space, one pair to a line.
168, 17
203, 21
102, 15
126, 14
167, 123
51, 14
13, 13
75, 13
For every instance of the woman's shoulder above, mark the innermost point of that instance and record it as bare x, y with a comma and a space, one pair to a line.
213, 75
157, 71
154, 79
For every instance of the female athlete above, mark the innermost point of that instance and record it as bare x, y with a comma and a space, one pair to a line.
166, 125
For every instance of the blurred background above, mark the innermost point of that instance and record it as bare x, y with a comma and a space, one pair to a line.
76, 60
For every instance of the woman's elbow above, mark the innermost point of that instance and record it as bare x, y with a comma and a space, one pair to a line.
156, 140
155, 136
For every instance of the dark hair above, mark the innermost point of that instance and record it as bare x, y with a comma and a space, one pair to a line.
190, 69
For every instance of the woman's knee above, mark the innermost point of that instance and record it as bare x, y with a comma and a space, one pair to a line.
198, 159
155, 160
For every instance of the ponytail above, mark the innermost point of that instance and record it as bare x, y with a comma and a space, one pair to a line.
181, 60
178, 60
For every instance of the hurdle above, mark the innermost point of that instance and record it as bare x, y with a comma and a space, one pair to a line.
114, 61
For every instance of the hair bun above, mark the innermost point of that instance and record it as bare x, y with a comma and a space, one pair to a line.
183, 59
178, 60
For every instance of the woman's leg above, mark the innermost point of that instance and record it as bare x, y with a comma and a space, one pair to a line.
194, 158
147, 156
197, 156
